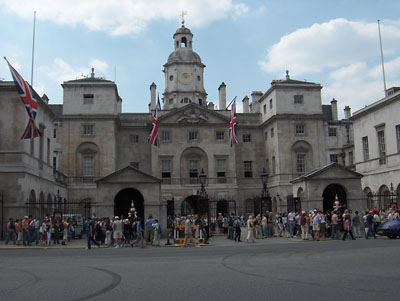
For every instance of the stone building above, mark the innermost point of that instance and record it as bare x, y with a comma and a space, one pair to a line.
104, 153
377, 150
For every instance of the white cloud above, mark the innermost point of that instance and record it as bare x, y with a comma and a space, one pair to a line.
61, 71
346, 52
332, 44
120, 17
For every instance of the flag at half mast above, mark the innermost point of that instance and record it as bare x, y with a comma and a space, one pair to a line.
232, 125
153, 136
26, 93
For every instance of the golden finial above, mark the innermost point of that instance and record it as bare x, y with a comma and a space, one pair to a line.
183, 16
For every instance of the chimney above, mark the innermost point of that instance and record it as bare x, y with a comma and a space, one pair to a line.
334, 109
45, 99
347, 112
246, 108
210, 105
255, 97
222, 96
153, 88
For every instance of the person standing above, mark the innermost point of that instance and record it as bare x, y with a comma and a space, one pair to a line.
148, 230
157, 233
188, 231
291, 217
238, 230
90, 237
139, 233
356, 224
304, 227
335, 225
369, 221
118, 229
316, 224
250, 233
347, 225
10, 231
25, 232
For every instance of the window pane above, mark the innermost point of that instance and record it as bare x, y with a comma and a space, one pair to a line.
88, 166
301, 163
365, 148
193, 168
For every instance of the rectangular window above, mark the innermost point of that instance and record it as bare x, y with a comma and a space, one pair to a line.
398, 137
54, 163
272, 132
193, 168
365, 148
48, 150
270, 104
166, 168
220, 136
248, 169
351, 158
382, 147
266, 135
298, 99
247, 138
88, 166
332, 132
300, 129
134, 138
273, 165
192, 135
88, 130
134, 164
265, 109
301, 163
334, 158
165, 136
221, 168
88, 99
54, 133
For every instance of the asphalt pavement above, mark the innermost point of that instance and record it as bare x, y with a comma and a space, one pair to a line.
270, 269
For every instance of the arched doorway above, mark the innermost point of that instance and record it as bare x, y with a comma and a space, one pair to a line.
189, 205
329, 195
223, 208
123, 201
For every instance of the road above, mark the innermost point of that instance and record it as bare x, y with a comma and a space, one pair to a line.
274, 269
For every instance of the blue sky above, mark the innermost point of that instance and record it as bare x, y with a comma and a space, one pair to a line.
245, 44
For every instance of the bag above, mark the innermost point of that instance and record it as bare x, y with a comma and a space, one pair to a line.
12, 226
159, 229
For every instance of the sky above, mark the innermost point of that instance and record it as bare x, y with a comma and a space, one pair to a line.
244, 43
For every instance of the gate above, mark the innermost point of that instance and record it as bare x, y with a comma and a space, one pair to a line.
222, 205
258, 205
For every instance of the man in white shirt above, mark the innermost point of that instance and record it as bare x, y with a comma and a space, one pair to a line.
316, 224
291, 217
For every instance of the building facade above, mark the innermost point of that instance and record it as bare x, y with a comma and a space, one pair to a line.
377, 150
286, 132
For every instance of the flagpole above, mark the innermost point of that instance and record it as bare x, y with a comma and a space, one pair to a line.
33, 46
230, 103
383, 64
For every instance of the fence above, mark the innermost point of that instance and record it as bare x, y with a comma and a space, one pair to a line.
48, 208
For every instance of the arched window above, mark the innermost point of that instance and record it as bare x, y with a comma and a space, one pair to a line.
183, 42
186, 100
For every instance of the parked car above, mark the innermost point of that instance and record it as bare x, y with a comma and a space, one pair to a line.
390, 229
77, 222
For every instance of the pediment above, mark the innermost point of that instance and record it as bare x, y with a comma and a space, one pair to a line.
193, 114
330, 171
130, 175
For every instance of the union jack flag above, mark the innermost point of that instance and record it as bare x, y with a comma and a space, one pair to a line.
153, 136
26, 93
232, 125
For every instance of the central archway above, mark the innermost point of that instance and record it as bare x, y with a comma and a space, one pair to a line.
329, 195
123, 200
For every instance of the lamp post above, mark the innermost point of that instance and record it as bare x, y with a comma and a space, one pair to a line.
264, 194
203, 196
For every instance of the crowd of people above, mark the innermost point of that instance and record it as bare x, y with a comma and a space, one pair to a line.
30, 230
122, 232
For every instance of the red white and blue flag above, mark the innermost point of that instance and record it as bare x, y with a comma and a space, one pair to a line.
232, 125
153, 136
26, 93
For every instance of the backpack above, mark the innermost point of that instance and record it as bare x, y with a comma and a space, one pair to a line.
159, 229
12, 226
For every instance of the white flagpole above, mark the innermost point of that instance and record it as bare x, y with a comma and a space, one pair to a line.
33, 46
383, 64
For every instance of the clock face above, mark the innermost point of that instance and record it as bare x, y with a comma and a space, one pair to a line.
185, 78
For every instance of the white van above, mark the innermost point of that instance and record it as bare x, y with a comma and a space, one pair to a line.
77, 222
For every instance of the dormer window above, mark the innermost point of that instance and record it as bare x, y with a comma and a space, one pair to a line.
186, 100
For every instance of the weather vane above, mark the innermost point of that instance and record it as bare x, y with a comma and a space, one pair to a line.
183, 16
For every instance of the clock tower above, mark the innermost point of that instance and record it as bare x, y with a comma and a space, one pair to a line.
183, 73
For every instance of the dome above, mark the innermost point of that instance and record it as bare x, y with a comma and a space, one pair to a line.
183, 30
184, 55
